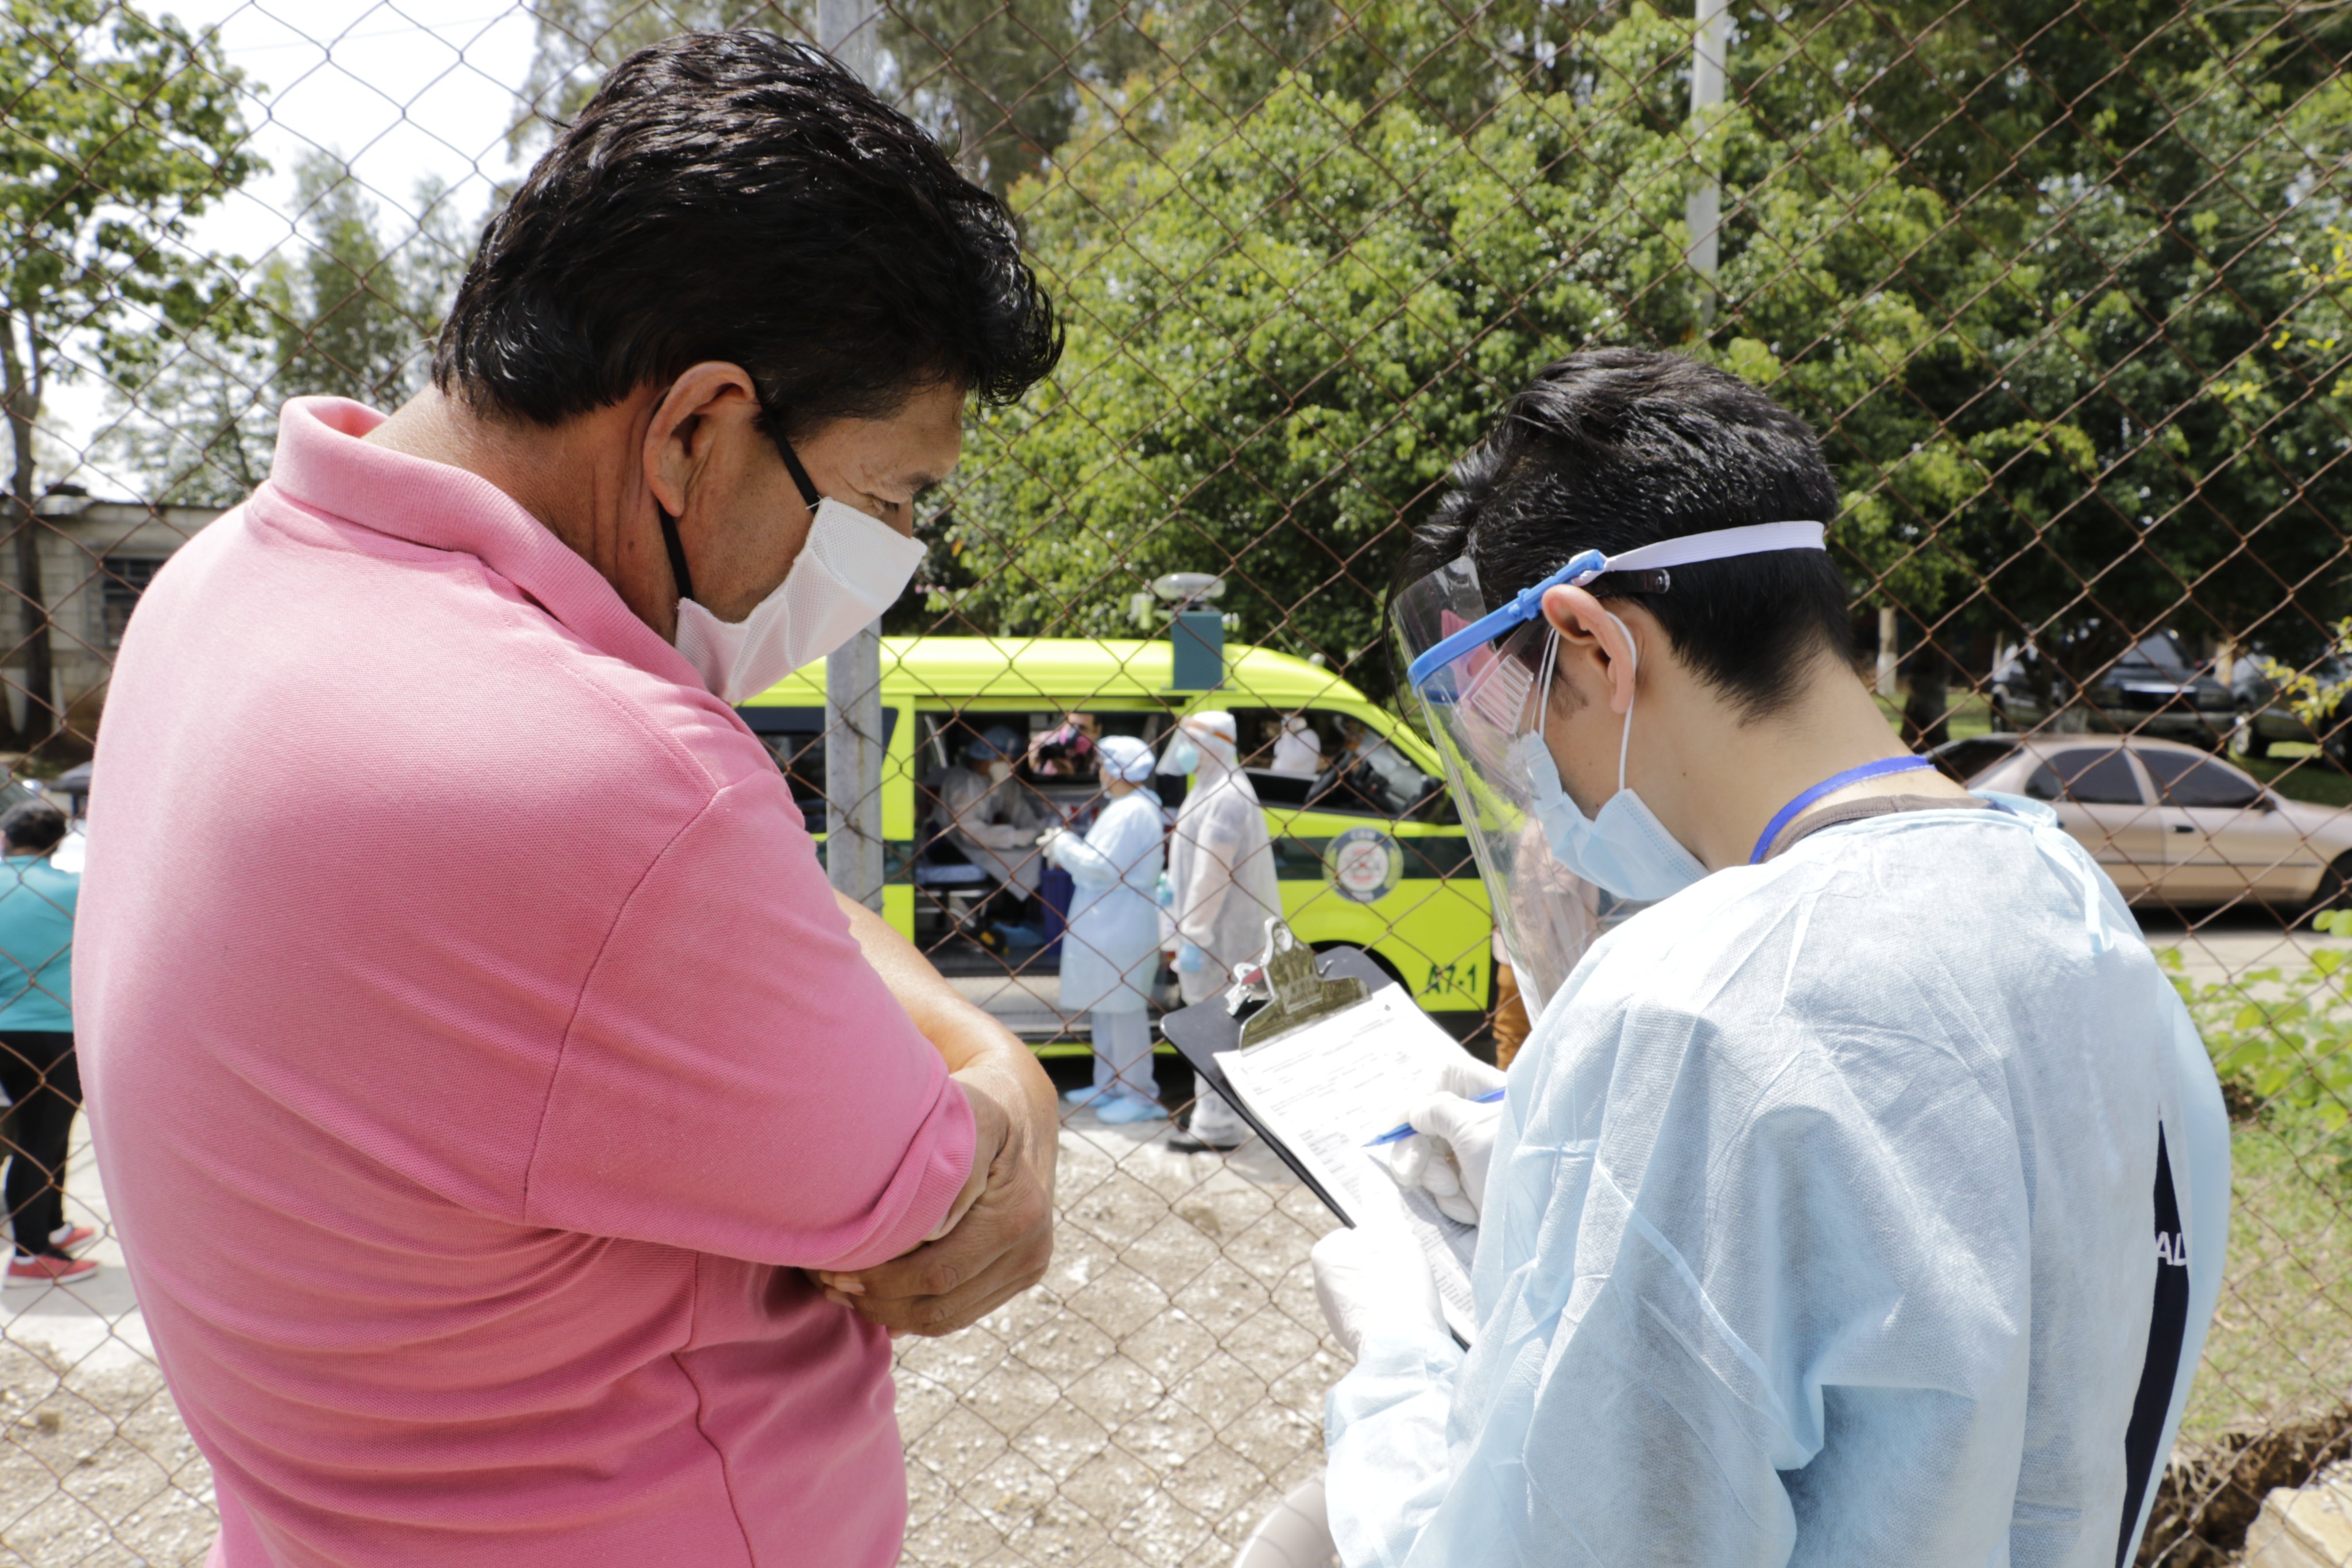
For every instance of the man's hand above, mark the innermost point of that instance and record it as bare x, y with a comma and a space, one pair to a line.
1002, 1239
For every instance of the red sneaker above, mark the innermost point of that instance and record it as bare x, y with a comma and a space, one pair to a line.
49, 1268
64, 1237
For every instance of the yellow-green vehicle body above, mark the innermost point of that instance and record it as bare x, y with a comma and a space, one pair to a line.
1384, 865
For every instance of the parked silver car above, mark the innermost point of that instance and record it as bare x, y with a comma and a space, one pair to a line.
2168, 822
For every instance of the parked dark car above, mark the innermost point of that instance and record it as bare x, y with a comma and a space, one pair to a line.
2154, 688
2264, 720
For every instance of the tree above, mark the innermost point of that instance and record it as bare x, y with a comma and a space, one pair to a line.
351, 313
1286, 328
119, 130
1285, 323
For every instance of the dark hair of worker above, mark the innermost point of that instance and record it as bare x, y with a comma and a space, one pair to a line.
1620, 447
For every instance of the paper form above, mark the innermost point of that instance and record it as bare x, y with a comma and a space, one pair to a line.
1328, 1087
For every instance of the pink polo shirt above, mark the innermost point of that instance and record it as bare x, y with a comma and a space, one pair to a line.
475, 1054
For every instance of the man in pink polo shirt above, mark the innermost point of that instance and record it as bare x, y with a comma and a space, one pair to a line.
511, 1134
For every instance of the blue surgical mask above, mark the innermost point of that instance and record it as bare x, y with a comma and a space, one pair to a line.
1624, 848
1180, 756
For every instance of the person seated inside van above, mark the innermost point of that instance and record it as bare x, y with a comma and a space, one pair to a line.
1297, 749
994, 819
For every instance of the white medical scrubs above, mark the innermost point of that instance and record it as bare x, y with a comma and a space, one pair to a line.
1865, 1207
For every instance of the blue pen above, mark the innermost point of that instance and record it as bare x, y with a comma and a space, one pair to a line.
1406, 1130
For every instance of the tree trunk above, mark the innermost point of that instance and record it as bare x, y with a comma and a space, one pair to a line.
1926, 721
22, 397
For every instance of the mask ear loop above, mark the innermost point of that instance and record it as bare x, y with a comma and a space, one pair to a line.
1625, 736
1543, 683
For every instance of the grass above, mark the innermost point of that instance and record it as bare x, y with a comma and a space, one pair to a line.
2281, 1346
2300, 773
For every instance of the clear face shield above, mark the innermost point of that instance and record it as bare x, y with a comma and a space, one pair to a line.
1481, 676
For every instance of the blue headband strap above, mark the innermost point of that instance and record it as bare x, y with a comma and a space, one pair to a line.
1719, 544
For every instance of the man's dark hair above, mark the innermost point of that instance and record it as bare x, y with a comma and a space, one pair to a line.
33, 827
1620, 447
739, 197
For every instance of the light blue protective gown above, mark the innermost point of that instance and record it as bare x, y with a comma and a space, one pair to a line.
1820, 1229
1112, 950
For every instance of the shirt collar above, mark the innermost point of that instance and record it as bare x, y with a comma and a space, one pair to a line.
323, 465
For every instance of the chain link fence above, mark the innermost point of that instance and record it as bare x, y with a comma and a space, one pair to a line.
2062, 286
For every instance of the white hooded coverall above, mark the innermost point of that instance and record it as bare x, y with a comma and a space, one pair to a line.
1112, 950
1220, 871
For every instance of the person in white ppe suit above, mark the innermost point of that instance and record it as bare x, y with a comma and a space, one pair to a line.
1864, 1200
1298, 750
1220, 871
992, 816
1111, 949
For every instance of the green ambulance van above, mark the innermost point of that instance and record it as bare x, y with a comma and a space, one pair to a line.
1369, 853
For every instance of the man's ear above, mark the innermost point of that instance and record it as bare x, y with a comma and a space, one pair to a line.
1591, 634
686, 423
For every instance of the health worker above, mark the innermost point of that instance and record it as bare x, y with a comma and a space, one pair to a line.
1862, 1200
1112, 950
523, 1156
1221, 876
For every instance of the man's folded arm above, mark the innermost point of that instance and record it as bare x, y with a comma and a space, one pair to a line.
737, 1077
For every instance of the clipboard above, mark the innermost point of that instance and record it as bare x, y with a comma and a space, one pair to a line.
1200, 1031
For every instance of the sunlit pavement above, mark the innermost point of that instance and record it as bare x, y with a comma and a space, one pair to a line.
92, 1323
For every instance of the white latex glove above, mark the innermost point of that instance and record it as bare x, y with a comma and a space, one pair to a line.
1453, 1140
1045, 840
1375, 1277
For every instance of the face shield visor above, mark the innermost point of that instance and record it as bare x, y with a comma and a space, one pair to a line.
1480, 676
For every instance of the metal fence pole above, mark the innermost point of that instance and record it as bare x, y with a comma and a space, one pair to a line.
853, 676
1703, 213
845, 29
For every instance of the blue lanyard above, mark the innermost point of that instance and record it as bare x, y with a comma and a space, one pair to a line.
1830, 786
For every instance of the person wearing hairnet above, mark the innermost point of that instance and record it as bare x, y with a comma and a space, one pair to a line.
1863, 1199
1112, 950
993, 818
1221, 870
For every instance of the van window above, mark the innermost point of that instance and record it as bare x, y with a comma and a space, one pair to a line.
1056, 755
1359, 772
794, 736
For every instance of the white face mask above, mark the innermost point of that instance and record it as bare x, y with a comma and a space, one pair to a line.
852, 568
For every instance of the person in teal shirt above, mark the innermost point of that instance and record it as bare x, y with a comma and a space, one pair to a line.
36, 1044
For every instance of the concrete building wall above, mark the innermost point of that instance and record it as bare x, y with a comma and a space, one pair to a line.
96, 558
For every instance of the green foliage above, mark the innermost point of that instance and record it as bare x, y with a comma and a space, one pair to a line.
2281, 1041
1284, 327
350, 313
2314, 698
120, 130
1289, 313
